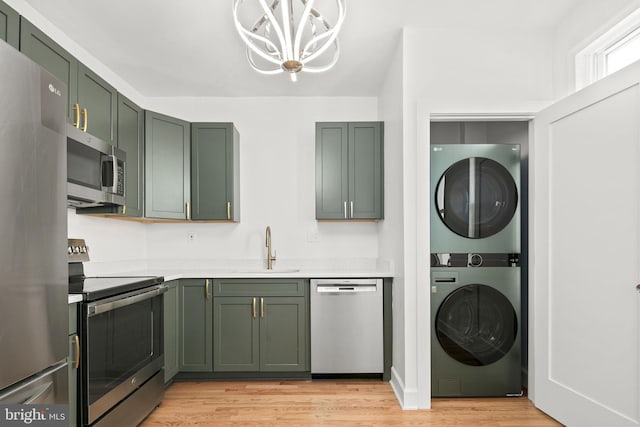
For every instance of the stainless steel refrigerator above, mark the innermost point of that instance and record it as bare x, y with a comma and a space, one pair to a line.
33, 233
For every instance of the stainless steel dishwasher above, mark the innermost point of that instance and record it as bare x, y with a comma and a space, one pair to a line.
346, 326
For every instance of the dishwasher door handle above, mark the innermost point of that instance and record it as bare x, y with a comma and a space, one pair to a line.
345, 289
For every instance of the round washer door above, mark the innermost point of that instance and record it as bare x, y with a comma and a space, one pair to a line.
476, 325
476, 197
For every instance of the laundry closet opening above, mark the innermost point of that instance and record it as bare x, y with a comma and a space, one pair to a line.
479, 260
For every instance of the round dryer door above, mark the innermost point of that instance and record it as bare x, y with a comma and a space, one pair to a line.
476, 197
476, 325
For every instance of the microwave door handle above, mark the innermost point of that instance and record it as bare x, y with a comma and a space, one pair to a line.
114, 160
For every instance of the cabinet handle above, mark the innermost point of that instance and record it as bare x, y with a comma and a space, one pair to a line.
262, 308
76, 342
76, 110
254, 308
228, 210
352, 209
86, 119
206, 288
188, 209
345, 209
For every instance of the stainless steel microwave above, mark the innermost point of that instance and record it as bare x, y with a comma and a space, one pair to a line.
95, 171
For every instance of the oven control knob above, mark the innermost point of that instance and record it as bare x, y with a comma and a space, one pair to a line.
475, 260
69, 250
76, 250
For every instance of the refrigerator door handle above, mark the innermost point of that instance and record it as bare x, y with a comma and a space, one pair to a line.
39, 392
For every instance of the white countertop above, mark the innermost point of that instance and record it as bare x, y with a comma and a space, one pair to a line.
175, 274
250, 269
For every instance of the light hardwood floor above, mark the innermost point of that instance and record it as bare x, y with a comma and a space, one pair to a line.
328, 403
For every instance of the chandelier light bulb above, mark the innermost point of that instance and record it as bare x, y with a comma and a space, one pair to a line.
289, 35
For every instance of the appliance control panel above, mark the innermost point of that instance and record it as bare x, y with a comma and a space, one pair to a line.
77, 250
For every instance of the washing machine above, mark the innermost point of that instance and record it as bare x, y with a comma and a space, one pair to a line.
474, 198
475, 330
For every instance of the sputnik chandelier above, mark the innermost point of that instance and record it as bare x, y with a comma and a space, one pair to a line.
289, 35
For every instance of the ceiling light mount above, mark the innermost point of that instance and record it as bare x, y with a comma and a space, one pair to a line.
289, 35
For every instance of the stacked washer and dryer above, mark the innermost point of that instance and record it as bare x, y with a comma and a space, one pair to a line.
475, 270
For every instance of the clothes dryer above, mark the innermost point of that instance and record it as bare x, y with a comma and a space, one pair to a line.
474, 198
475, 331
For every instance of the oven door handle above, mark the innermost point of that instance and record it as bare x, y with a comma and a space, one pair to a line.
97, 308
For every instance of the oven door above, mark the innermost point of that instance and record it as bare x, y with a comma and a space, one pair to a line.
123, 338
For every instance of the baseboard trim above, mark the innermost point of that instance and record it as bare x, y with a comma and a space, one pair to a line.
407, 398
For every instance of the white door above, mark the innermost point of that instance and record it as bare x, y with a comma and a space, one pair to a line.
585, 264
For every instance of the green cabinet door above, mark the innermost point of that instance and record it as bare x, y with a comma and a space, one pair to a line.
332, 171
283, 331
98, 101
131, 140
167, 167
171, 331
196, 319
366, 170
215, 172
53, 58
349, 170
236, 334
9, 25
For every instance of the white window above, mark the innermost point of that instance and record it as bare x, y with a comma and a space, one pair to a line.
615, 49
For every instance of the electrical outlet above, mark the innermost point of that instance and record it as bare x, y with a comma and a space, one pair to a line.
313, 236
191, 236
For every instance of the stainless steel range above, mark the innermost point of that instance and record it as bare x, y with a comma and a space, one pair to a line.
121, 324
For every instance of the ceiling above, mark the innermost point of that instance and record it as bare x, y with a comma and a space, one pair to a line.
191, 48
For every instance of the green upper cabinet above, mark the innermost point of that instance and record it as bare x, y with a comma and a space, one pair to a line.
195, 323
97, 103
167, 167
215, 172
9, 25
349, 170
92, 102
131, 140
260, 325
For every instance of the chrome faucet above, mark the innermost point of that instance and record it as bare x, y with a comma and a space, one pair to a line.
270, 258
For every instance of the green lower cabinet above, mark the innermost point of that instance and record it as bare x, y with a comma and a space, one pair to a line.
236, 335
282, 334
171, 331
260, 325
195, 325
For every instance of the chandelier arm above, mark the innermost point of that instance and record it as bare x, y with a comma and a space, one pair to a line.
259, 69
247, 36
320, 69
264, 17
308, 56
298, 39
287, 24
274, 22
331, 34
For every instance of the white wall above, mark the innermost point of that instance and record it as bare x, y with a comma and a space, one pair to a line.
391, 230
277, 188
